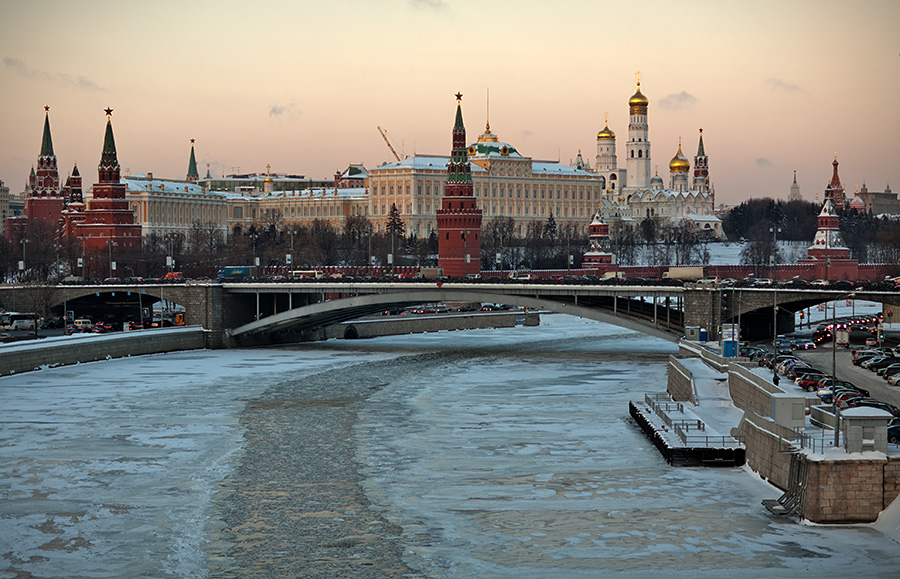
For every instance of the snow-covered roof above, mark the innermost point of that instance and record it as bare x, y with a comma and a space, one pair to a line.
703, 218
557, 168
141, 182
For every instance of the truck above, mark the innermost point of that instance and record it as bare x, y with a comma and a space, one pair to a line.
430, 273
685, 273
237, 273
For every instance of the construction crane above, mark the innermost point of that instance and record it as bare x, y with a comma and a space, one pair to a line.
388, 142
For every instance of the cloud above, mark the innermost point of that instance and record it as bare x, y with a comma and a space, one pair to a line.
283, 111
19, 67
527, 133
429, 4
779, 85
678, 100
763, 162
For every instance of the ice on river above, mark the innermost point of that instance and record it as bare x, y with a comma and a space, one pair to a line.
514, 458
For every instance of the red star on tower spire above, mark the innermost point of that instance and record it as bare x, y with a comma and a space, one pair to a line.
108, 111
458, 96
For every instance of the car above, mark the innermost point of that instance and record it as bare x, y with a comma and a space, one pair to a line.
763, 282
893, 434
889, 369
872, 403
894, 379
846, 395
710, 279
858, 360
871, 341
883, 363
797, 369
803, 344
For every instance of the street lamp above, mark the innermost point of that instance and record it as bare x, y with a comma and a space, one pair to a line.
112, 264
23, 241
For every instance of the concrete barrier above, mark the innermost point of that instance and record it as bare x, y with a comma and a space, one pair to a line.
25, 357
420, 324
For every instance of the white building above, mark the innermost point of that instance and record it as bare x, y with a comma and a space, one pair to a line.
631, 194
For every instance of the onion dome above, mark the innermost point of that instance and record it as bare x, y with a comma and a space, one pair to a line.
656, 182
638, 98
606, 133
679, 163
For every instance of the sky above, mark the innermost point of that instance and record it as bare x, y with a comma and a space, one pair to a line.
303, 85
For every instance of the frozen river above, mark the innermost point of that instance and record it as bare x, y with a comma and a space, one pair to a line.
496, 453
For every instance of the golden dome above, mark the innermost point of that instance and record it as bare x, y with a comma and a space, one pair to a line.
606, 133
638, 99
679, 163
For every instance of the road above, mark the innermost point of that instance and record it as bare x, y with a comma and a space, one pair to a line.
822, 358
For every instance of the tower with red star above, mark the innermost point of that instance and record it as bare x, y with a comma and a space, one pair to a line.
459, 218
108, 222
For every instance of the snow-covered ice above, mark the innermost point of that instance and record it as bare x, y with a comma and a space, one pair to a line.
520, 461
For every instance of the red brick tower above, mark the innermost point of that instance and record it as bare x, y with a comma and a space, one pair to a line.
108, 223
834, 190
43, 200
459, 219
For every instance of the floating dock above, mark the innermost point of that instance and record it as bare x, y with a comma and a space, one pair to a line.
681, 437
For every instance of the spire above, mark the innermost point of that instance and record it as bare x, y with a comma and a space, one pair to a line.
208, 176
192, 175
795, 176
109, 161
701, 152
47, 142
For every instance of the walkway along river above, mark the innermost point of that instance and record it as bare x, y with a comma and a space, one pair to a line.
490, 453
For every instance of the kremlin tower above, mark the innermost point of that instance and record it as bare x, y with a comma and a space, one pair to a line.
43, 200
828, 254
108, 221
599, 251
192, 175
834, 190
459, 219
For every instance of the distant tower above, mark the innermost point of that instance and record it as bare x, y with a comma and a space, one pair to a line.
795, 190
43, 199
459, 218
192, 175
599, 252
701, 168
679, 167
834, 190
638, 147
606, 148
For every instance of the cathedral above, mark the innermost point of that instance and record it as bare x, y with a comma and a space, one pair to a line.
632, 195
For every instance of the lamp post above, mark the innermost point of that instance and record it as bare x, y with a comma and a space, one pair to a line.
23, 241
112, 264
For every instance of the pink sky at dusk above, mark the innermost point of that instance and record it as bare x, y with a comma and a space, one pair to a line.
302, 85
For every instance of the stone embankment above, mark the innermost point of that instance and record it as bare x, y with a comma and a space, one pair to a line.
62, 351
832, 484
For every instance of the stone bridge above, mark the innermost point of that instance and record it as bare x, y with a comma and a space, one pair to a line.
259, 313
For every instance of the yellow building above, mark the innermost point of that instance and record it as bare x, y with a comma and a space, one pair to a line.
505, 184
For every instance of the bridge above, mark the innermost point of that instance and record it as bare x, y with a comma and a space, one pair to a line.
237, 314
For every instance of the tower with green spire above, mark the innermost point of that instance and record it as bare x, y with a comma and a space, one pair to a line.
459, 218
192, 175
107, 225
701, 169
43, 197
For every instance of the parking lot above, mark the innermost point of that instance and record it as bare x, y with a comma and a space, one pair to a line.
822, 358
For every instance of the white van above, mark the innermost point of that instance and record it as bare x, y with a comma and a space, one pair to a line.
82, 325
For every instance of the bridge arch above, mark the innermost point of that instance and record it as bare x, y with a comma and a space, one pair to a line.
314, 316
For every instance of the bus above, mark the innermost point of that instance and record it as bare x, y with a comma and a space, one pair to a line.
306, 273
18, 321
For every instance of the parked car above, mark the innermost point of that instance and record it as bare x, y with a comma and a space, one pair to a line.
894, 434
872, 403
